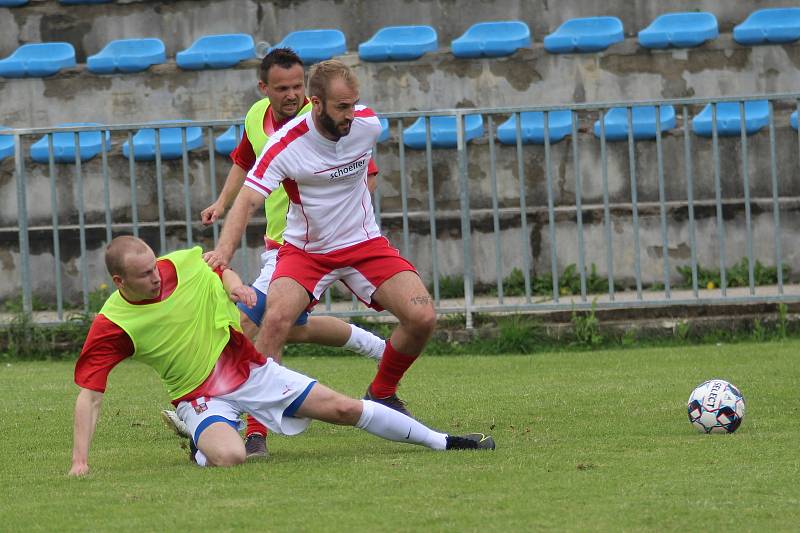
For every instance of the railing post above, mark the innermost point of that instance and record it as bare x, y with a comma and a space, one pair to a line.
466, 227
22, 215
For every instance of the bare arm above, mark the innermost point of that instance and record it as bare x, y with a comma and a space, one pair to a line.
237, 291
243, 208
372, 182
233, 184
87, 409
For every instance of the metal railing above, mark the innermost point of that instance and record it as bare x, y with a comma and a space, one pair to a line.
505, 214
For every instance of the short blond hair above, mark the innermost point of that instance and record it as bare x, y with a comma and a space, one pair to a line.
322, 73
119, 248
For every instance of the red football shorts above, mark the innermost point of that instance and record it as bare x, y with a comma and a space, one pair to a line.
362, 267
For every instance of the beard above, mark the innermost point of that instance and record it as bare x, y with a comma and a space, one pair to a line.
333, 128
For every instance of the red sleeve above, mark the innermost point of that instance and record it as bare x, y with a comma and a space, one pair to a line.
106, 345
219, 270
243, 155
372, 168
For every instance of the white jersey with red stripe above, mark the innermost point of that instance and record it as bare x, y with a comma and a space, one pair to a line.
330, 207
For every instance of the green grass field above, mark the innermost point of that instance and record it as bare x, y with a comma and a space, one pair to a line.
586, 441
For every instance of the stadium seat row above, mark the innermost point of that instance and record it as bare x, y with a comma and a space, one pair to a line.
403, 43
442, 131
615, 123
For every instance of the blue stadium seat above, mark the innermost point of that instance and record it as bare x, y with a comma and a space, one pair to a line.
225, 143
443, 131
384, 136
13, 3
680, 30
127, 55
756, 116
64, 145
217, 51
38, 60
399, 43
6, 145
314, 46
793, 120
144, 143
643, 120
778, 25
590, 34
559, 125
492, 39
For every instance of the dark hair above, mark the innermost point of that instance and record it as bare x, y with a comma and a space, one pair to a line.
322, 73
282, 57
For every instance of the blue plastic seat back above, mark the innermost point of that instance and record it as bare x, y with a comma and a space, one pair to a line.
217, 51
384, 136
6, 145
399, 43
314, 46
643, 120
756, 114
559, 125
443, 131
38, 60
793, 120
680, 30
492, 39
127, 55
13, 3
777, 25
144, 143
590, 34
228, 141
64, 144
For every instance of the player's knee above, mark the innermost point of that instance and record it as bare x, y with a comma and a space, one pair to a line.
346, 411
424, 322
277, 317
230, 456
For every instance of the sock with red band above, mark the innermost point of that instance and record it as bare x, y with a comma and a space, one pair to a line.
391, 369
254, 426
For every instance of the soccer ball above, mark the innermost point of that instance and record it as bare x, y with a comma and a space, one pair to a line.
716, 406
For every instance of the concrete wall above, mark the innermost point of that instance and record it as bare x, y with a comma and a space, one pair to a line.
446, 193
437, 81
530, 77
179, 23
624, 72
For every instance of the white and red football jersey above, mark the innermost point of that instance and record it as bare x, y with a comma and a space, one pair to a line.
329, 204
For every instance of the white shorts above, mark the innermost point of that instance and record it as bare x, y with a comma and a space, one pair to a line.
271, 394
268, 260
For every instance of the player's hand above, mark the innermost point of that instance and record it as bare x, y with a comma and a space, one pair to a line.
79, 469
215, 259
244, 294
212, 213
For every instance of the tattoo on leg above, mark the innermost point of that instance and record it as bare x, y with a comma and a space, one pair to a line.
421, 300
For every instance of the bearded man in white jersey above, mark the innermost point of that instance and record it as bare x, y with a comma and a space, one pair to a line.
321, 160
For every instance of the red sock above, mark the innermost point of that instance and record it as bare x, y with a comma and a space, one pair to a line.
393, 365
254, 426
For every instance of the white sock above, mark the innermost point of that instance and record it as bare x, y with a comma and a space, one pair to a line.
365, 343
200, 458
387, 423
